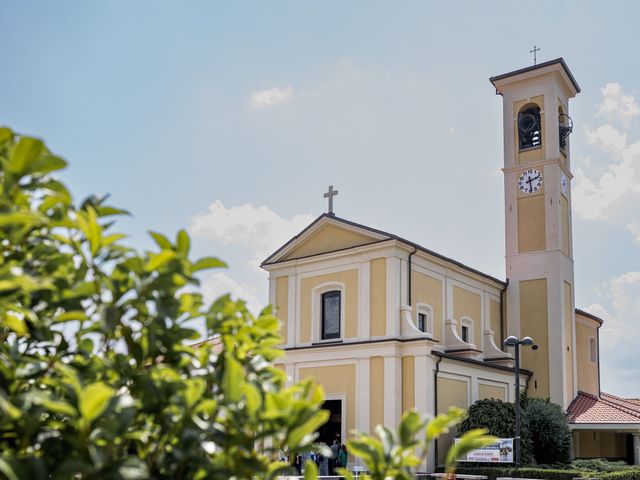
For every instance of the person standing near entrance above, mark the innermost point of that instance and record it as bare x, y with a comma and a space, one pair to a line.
335, 450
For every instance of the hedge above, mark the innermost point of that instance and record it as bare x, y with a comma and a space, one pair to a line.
548, 474
530, 472
623, 475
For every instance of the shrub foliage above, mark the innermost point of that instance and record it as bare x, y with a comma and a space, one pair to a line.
96, 378
499, 419
550, 434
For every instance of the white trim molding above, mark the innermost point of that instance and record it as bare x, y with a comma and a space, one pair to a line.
316, 309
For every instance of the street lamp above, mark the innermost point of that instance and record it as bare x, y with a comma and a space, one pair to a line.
513, 341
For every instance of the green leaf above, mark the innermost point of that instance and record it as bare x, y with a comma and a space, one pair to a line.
94, 400
232, 379
410, 425
9, 408
133, 468
307, 428
471, 440
252, 397
310, 470
15, 323
71, 316
182, 242
162, 241
25, 154
21, 218
157, 260
208, 262
5, 134
194, 391
48, 163
7, 470
442, 423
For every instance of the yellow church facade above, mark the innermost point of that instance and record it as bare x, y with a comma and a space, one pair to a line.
386, 325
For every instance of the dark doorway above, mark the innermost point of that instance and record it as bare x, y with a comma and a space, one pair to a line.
629, 440
332, 430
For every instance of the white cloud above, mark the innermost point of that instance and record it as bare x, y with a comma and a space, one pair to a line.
271, 97
616, 106
258, 229
219, 284
608, 185
634, 229
619, 336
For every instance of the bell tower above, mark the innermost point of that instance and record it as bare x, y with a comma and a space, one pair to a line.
539, 250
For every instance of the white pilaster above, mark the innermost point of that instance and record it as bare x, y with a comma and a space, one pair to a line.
393, 296
362, 394
392, 390
292, 319
364, 293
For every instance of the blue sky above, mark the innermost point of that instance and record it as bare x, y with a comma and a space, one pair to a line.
232, 119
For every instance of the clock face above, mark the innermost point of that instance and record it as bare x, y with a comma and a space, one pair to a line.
530, 181
564, 182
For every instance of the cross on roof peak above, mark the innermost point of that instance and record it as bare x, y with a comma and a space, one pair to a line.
330, 194
534, 51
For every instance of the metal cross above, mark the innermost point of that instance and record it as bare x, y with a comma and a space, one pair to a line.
330, 194
534, 51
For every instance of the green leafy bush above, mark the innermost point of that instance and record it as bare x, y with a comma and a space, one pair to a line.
96, 378
499, 419
629, 474
493, 472
601, 465
550, 435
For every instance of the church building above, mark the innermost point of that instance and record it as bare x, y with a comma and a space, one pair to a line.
386, 325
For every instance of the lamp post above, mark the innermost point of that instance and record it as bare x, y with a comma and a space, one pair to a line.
513, 341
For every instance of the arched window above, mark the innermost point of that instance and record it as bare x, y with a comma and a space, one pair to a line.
593, 352
330, 315
529, 128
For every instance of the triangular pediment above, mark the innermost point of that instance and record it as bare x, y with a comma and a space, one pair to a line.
326, 234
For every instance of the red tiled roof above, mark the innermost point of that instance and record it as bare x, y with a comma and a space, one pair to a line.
215, 343
588, 408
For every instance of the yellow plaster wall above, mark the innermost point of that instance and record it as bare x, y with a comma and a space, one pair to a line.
408, 383
282, 305
468, 304
494, 311
426, 289
328, 239
350, 279
378, 297
568, 336
491, 391
339, 379
534, 154
376, 393
587, 371
564, 208
531, 224
450, 393
533, 320
600, 444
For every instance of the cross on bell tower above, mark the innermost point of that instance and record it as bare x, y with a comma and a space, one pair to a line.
330, 194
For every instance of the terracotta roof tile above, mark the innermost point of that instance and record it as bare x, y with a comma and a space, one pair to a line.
215, 342
588, 408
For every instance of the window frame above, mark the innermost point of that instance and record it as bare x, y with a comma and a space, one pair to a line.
466, 322
328, 294
316, 312
427, 311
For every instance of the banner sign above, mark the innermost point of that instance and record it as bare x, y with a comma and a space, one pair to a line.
499, 452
